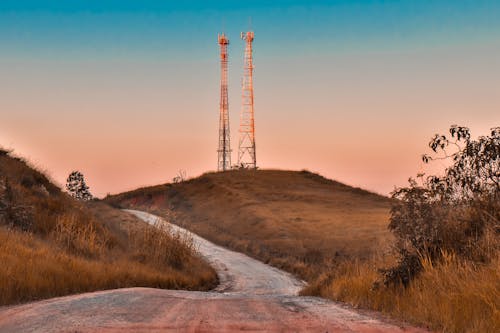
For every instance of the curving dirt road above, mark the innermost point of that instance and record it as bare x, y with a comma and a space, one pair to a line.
252, 297
238, 273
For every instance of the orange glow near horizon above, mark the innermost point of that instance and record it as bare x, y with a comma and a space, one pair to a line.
363, 120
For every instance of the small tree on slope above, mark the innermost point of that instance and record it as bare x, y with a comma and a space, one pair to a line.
76, 187
458, 212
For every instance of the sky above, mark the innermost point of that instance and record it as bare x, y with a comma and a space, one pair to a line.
127, 92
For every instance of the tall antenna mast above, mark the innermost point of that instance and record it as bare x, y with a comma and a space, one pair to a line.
224, 151
246, 149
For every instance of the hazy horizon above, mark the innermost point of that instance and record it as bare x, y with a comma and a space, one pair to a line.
128, 92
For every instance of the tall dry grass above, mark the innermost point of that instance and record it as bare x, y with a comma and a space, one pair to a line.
52, 245
451, 296
79, 237
35, 269
159, 245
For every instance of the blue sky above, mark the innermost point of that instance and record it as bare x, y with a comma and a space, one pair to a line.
179, 29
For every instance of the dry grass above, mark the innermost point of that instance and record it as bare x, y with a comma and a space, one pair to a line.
164, 247
453, 296
79, 237
32, 269
72, 247
298, 221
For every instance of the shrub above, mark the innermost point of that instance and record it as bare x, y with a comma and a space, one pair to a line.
12, 212
458, 212
77, 188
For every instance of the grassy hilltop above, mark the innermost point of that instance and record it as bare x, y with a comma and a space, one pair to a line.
298, 221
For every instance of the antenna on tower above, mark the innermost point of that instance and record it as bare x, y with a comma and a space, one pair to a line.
246, 147
224, 151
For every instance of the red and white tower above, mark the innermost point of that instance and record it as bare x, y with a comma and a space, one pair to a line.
246, 148
224, 151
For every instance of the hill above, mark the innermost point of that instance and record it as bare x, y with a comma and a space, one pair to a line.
295, 220
52, 245
330, 234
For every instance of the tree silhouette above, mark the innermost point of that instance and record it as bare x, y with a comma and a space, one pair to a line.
75, 184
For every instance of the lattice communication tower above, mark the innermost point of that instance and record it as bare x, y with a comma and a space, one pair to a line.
224, 151
246, 147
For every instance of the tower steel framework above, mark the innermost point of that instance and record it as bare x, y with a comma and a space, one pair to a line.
224, 151
246, 147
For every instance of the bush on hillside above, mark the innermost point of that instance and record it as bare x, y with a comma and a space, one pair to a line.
458, 212
12, 212
77, 188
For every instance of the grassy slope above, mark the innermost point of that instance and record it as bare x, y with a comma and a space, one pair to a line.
72, 247
298, 221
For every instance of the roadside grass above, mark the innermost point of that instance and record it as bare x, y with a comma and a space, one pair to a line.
51, 245
32, 269
452, 296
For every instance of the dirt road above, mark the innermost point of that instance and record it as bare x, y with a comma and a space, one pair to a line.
238, 273
252, 297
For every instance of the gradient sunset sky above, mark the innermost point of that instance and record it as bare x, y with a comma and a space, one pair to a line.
128, 91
